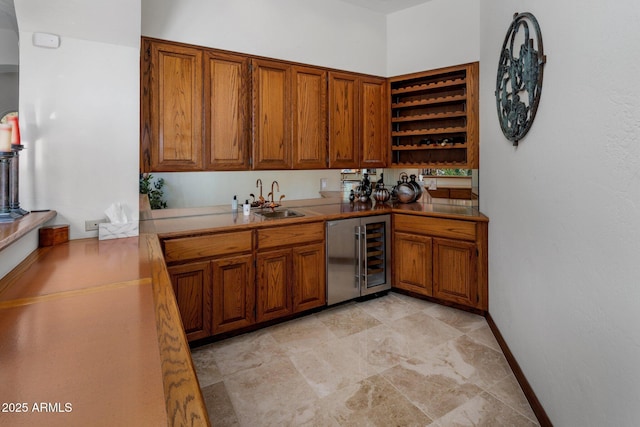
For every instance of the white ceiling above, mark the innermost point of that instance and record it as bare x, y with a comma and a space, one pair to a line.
386, 6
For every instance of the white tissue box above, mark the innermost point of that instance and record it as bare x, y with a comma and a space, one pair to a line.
108, 230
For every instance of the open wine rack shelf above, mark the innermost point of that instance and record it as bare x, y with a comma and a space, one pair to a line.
434, 118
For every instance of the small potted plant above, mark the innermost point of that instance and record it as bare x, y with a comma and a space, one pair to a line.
153, 190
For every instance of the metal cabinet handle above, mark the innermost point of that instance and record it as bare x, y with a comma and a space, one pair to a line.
358, 256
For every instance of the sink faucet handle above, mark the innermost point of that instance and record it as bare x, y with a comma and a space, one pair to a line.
259, 185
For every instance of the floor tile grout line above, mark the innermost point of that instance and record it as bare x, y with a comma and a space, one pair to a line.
489, 388
431, 417
535, 420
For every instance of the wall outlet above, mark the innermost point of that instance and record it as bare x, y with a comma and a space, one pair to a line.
92, 224
323, 183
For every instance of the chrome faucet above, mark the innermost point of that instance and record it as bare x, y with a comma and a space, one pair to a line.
259, 185
273, 195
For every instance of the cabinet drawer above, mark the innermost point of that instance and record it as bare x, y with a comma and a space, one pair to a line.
290, 235
464, 230
207, 246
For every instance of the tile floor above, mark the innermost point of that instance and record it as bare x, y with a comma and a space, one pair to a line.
390, 361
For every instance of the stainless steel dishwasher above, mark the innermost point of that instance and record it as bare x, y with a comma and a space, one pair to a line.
358, 257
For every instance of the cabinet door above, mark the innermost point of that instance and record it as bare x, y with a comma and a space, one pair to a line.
176, 108
309, 118
226, 100
273, 296
309, 286
343, 121
271, 115
375, 138
192, 288
412, 263
233, 293
454, 271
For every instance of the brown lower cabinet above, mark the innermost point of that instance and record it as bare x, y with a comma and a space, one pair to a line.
228, 281
290, 281
192, 288
291, 273
214, 296
233, 293
441, 258
274, 287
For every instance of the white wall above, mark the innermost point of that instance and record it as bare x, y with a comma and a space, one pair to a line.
328, 33
436, 34
564, 236
79, 109
194, 189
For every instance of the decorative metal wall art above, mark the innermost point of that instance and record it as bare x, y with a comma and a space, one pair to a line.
519, 80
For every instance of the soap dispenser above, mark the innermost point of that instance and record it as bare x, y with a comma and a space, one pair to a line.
234, 203
246, 208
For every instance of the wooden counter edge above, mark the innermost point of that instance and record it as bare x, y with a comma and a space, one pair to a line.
183, 396
12, 231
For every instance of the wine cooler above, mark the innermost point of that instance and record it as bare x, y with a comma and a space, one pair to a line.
358, 257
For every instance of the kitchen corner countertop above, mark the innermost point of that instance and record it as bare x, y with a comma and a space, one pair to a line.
90, 334
170, 222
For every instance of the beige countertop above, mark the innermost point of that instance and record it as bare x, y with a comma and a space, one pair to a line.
90, 329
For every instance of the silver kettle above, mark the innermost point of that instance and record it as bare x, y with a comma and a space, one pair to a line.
405, 191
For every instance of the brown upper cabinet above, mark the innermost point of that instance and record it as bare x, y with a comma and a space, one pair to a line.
289, 112
206, 109
172, 108
271, 110
358, 121
309, 117
343, 121
194, 109
374, 107
227, 116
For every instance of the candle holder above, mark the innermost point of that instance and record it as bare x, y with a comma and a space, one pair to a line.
14, 179
5, 182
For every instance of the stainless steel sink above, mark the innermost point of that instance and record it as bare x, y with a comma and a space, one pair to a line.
285, 213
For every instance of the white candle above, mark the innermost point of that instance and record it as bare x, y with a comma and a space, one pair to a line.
5, 137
